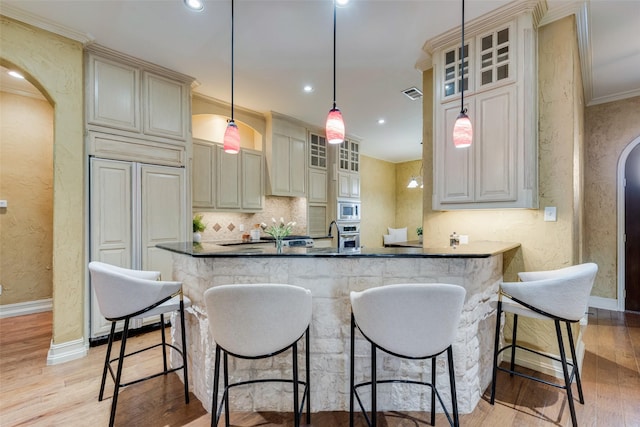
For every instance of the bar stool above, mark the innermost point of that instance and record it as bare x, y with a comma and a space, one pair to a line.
125, 294
560, 295
410, 321
257, 321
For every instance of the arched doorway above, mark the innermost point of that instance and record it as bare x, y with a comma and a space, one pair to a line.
629, 227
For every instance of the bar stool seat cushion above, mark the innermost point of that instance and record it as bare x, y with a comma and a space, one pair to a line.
256, 319
394, 317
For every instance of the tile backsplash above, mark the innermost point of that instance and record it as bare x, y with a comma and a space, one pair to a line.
226, 225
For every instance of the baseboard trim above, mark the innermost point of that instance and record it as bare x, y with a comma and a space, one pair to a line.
538, 363
67, 351
603, 303
24, 308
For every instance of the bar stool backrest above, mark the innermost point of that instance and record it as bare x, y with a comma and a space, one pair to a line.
563, 293
254, 320
413, 320
122, 292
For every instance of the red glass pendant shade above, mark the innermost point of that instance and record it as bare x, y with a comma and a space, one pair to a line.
462, 131
232, 138
335, 127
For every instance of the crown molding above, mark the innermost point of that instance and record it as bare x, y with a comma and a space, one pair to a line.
537, 8
45, 24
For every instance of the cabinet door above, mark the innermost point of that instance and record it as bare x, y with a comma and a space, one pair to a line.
203, 175
496, 149
317, 186
165, 107
252, 184
114, 94
298, 167
110, 223
227, 180
344, 186
317, 220
354, 185
279, 171
163, 215
454, 166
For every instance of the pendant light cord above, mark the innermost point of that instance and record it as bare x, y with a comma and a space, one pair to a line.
232, 32
334, 54
462, 110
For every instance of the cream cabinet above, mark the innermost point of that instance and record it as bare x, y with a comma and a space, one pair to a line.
348, 169
133, 208
498, 71
286, 156
133, 98
227, 182
318, 161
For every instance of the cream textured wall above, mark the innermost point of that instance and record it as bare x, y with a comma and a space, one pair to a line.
610, 128
378, 198
54, 64
545, 245
26, 182
408, 200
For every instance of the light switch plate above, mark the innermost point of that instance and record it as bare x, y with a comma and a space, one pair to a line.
3, 203
550, 213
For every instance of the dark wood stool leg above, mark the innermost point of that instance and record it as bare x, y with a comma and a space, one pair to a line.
495, 352
106, 361
574, 358
565, 371
452, 380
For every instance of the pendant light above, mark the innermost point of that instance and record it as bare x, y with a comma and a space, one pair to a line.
232, 134
334, 128
462, 131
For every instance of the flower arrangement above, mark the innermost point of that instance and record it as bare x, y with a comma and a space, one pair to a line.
278, 229
198, 225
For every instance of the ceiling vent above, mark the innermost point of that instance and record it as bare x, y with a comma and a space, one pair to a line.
413, 93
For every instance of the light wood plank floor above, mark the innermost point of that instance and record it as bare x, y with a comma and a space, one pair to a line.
33, 394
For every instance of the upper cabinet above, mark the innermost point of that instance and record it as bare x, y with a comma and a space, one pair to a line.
226, 182
317, 169
286, 156
348, 169
498, 69
130, 97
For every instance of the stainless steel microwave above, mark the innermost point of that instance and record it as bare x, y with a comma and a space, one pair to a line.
348, 210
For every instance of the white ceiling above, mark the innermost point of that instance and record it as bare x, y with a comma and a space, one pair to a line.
281, 45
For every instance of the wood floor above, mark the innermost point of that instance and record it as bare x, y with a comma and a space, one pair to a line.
33, 394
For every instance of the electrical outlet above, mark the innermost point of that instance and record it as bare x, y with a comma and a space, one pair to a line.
241, 227
0, 289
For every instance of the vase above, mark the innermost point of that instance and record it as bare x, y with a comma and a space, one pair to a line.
279, 246
197, 237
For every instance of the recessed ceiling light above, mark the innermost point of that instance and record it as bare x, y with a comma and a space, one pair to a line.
308, 88
341, 3
197, 5
380, 121
16, 74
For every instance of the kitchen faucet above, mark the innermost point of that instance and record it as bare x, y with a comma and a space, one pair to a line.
338, 230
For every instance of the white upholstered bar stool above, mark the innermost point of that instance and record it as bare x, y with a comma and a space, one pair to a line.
124, 295
560, 295
255, 321
410, 321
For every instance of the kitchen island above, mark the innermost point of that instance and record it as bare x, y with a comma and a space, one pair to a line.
331, 276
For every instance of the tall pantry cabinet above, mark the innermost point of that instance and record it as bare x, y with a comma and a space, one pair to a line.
137, 135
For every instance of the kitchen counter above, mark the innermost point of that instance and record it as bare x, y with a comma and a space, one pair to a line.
481, 249
331, 276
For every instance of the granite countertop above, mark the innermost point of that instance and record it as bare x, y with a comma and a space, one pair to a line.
481, 249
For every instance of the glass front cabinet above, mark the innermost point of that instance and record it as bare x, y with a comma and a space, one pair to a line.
498, 70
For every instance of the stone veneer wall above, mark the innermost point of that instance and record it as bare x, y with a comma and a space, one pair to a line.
330, 281
26, 181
